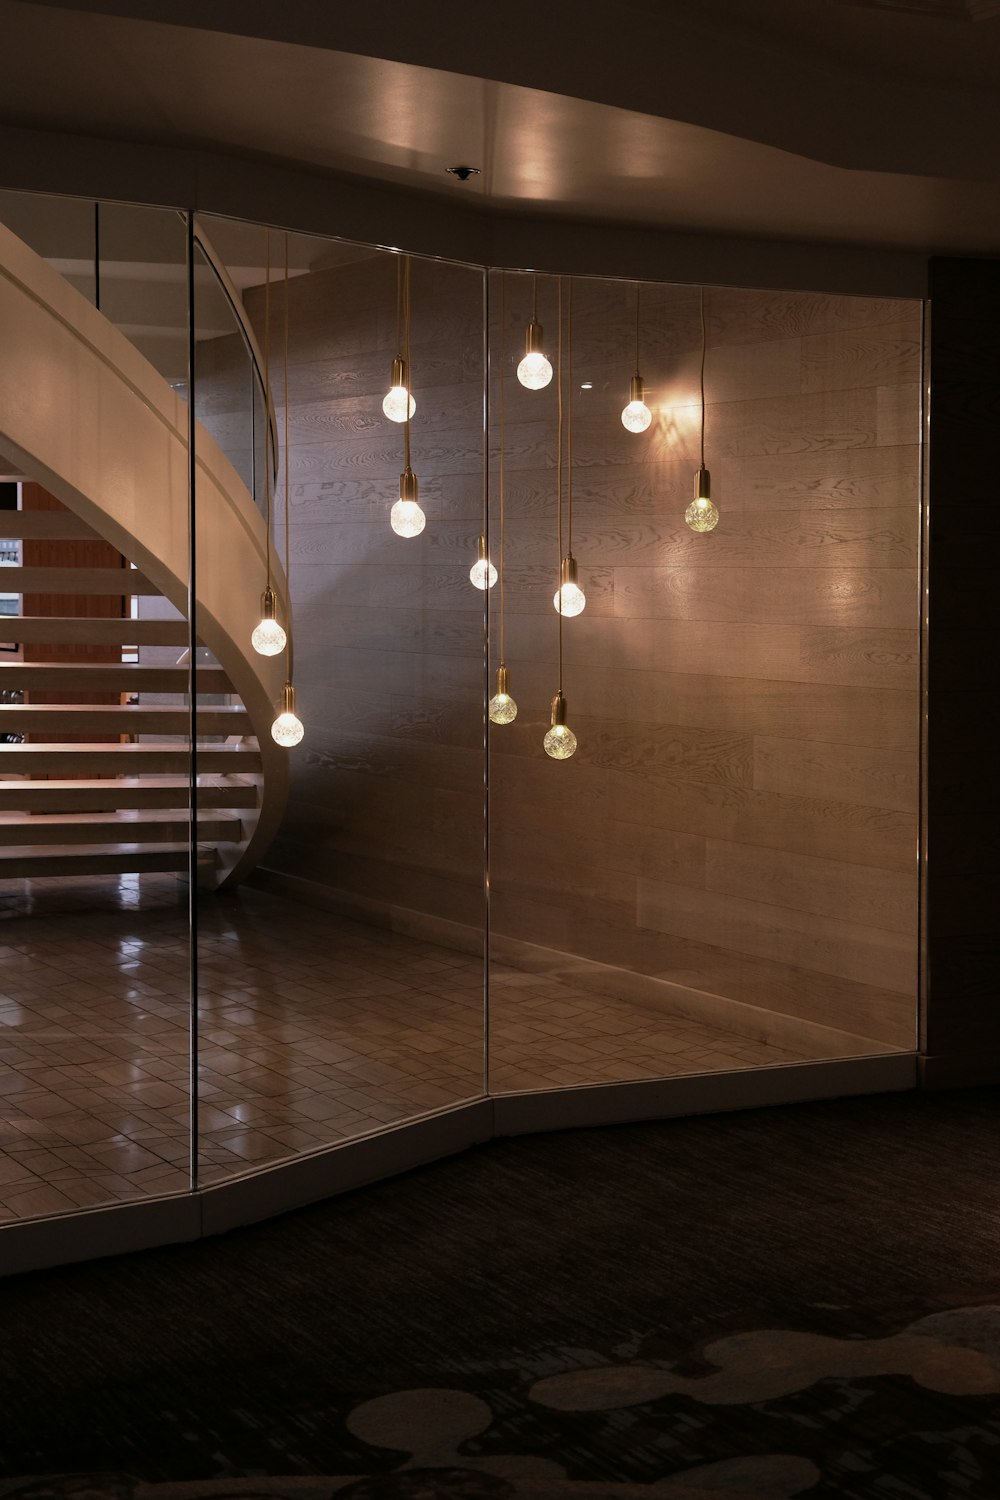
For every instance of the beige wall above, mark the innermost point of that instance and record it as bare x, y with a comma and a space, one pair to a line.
741, 816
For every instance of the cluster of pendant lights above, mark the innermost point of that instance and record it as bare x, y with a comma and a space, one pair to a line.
408, 520
269, 638
534, 373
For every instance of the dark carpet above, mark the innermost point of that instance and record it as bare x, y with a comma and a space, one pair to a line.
803, 1300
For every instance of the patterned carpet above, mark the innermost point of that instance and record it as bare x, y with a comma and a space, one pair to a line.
798, 1301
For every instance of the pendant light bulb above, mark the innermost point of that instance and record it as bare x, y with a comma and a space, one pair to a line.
398, 397
482, 574
569, 598
534, 372
702, 514
502, 709
268, 638
560, 741
406, 518
637, 416
287, 729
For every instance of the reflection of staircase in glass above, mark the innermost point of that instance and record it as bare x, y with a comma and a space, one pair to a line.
100, 783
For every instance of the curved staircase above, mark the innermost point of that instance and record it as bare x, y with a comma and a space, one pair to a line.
100, 780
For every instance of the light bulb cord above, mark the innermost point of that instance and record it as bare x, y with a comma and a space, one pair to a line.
502, 477
704, 345
559, 458
399, 306
267, 400
288, 549
406, 356
534, 297
569, 421
637, 293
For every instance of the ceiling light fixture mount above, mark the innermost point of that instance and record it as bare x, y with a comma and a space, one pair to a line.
463, 173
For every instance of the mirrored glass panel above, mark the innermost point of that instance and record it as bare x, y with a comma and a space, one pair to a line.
95, 995
341, 966
723, 875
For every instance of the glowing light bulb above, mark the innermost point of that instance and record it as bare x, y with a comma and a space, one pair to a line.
395, 401
702, 514
502, 709
482, 574
569, 598
268, 638
398, 404
534, 372
406, 518
637, 416
287, 729
560, 741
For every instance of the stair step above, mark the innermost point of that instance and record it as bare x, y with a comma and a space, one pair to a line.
97, 631
98, 677
114, 718
47, 525
92, 760
129, 827
124, 791
27, 863
118, 581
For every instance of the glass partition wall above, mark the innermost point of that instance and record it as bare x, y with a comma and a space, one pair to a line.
722, 875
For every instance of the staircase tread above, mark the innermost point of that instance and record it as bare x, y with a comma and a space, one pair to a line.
111, 819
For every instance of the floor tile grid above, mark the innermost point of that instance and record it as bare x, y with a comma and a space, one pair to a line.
313, 1030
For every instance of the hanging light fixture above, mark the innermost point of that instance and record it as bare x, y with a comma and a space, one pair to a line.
482, 574
398, 403
702, 514
406, 518
502, 708
287, 729
637, 416
569, 598
268, 638
560, 741
534, 372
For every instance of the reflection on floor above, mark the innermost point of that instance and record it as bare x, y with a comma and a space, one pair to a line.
313, 1029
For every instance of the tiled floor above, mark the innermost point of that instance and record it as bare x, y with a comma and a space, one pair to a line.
313, 1029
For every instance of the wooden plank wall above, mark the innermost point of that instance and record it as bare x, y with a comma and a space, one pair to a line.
741, 816
387, 799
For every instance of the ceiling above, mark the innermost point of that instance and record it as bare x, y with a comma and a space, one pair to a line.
845, 122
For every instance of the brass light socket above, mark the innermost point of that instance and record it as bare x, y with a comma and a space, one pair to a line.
399, 373
408, 485
558, 710
288, 699
482, 555
636, 391
568, 571
268, 603
503, 680
703, 485
534, 338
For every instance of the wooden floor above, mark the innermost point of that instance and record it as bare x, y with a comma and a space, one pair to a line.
313, 1029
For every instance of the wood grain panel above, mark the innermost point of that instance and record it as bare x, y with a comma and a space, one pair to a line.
849, 597
887, 354
785, 653
826, 887
852, 950
746, 702
866, 776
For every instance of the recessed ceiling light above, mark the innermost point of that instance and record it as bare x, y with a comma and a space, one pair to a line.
463, 173
588, 385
